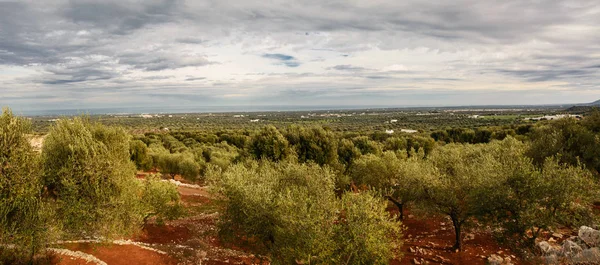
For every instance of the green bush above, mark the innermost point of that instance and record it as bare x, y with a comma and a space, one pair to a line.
161, 200
291, 212
269, 144
365, 233
24, 226
139, 155
400, 180
90, 178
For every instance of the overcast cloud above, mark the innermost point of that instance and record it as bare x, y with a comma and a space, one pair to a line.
57, 54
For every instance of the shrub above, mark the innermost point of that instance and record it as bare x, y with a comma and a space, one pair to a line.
161, 200
290, 212
23, 224
269, 144
90, 178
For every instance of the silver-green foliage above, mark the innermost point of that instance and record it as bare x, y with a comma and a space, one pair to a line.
291, 212
396, 176
497, 184
23, 228
529, 199
365, 233
90, 178
269, 144
161, 200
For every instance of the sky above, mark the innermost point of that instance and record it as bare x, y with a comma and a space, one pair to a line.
63, 54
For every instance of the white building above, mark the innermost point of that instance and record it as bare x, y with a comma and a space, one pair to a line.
554, 117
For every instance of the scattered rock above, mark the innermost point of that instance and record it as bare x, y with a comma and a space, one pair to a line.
551, 259
547, 249
416, 261
412, 250
469, 236
495, 260
590, 236
581, 249
571, 248
587, 256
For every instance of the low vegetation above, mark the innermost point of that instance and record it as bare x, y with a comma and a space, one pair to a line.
82, 185
299, 193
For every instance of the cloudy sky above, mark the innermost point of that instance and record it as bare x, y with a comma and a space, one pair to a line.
59, 54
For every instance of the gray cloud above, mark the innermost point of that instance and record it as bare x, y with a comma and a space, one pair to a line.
157, 61
190, 40
80, 49
121, 17
159, 77
191, 78
347, 67
551, 74
287, 60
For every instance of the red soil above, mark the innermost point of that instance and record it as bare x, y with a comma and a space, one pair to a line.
68, 260
425, 239
164, 234
120, 254
431, 239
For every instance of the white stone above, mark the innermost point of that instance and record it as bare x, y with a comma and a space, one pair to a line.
495, 260
570, 248
590, 236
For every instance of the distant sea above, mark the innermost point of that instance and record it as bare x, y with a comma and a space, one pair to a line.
200, 109
254, 108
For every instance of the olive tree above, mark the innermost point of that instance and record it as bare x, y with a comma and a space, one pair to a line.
291, 213
347, 153
314, 144
178, 164
498, 184
573, 142
269, 144
22, 222
161, 200
90, 178
366, 145
461, 175
400, 180
529, 200
365, 233
139, 155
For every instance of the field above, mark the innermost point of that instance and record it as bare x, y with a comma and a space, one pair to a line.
385, 186
341, 120
194, 238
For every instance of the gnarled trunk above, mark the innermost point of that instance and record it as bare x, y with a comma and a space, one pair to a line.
457, 232
398, 204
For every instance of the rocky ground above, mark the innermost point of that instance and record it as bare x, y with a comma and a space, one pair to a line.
582, 248
430, 240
